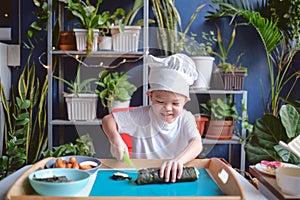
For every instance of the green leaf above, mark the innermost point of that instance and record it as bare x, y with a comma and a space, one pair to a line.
290, 119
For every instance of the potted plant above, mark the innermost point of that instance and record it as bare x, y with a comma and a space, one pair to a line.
90, 20
115, 91
200, 53
232, 74
202, 123
81, 100
171, 35
223, 115
125, 33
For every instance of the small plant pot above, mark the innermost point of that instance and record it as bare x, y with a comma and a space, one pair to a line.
81, 39
202, 124
126, 41
67, 40
105, 43
220, 129
81, 107
204, 66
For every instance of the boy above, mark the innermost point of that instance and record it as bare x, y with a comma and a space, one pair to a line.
164, 129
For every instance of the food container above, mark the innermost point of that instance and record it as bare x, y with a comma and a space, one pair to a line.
288, 179
79, 159
77, 180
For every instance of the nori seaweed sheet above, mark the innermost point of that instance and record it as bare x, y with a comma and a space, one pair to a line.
54, 179
151, 176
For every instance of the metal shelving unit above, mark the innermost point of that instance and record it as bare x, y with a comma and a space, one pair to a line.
111, 54
97, 54
235, 139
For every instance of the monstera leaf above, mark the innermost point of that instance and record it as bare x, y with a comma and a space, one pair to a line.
268, 131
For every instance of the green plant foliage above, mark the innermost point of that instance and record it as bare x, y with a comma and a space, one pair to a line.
171, 36
225, 109
78, 86
194, 48
25, 132
221, 109
224, 65
278, 24
37, 26
268, 131
114, 87
89, 17
83, 146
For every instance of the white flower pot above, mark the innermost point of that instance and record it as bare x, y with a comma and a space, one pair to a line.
126, 41
118, 104
204, 66
105, 43
81, 106
81, 39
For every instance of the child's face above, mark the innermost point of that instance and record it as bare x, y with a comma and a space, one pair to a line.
167, 105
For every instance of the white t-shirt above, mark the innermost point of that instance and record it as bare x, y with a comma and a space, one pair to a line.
154, 139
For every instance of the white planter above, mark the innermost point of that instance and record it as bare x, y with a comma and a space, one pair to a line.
81, 39
204, 66
105, 43
126, 41
118, 104
81, 106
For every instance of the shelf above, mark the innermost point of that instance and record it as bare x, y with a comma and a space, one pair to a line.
100, 54
234, 140
201, 91
72, 123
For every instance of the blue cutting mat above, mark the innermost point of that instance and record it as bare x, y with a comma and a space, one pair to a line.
105, 186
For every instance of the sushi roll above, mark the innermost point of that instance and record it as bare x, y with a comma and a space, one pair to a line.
151, 176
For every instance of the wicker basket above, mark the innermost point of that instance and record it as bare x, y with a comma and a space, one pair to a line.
233, 81
228, 81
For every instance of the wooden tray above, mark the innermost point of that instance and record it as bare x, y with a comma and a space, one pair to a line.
219, 171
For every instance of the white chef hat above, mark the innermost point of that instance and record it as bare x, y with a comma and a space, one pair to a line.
174, 73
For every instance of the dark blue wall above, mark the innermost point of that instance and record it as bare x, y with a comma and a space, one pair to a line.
247, 41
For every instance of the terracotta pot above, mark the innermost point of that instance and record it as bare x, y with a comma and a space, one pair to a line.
202, 124
67, 40
220, 129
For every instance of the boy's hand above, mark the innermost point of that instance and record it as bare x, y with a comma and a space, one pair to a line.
171, 170
118, 150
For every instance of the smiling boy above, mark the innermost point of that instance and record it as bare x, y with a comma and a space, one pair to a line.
164, 129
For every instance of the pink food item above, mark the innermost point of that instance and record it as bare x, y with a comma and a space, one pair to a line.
271, 164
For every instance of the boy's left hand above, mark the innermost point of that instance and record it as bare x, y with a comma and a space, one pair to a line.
171, 170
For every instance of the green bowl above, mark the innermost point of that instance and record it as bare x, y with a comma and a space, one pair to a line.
79, 178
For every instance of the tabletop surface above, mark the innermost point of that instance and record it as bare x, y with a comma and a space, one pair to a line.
270, 183
17, 182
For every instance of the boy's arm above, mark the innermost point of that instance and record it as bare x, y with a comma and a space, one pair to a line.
117, 145
191, 151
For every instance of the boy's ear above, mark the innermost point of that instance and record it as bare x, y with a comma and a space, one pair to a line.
149, 94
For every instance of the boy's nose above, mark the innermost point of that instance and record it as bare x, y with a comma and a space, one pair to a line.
168, 106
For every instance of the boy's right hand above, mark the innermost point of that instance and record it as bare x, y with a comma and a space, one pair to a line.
118, 150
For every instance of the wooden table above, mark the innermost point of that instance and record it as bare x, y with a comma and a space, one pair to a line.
269, 182
21, 189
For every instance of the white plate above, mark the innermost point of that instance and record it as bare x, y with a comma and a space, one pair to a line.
264, 170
